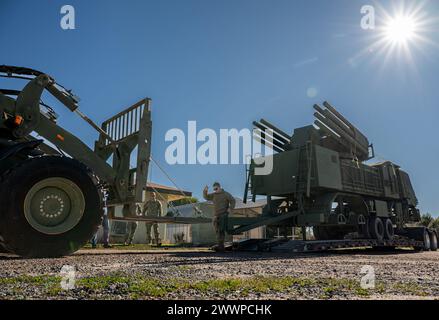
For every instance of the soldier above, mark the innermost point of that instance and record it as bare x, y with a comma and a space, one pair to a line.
131, 228
106, 235
152, 208
223, 202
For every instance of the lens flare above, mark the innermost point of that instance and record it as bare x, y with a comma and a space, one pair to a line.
400, 29
403, 34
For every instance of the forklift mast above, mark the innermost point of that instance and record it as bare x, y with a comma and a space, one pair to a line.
119, 136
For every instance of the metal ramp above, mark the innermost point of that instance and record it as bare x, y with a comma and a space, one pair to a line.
248, 186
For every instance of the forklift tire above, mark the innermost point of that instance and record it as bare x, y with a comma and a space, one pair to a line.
376, 228
433, 241
50, 207
389, 231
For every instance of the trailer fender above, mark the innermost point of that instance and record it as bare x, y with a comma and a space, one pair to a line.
28, 148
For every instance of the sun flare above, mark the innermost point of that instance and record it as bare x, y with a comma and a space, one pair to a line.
402, 34
400, 29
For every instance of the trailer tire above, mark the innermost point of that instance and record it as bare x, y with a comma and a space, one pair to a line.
389, 231
376, 228
433, 241
50, 207
426, 240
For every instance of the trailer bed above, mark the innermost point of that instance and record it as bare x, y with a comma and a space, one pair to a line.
301, 246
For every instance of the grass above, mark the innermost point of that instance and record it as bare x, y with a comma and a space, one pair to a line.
410, 288
140, 287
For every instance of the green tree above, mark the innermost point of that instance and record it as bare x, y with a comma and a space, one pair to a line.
435, 223
183, 201
427, 220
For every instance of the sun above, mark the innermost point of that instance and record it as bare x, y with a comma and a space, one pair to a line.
403, 34
400, 29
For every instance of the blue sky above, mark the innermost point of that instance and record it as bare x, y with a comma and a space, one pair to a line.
227, 63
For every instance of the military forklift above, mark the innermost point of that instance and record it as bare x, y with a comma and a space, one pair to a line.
51, 183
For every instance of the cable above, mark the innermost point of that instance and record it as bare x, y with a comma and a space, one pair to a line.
167, 175
170, 205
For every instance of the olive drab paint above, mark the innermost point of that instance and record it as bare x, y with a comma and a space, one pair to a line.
320, 176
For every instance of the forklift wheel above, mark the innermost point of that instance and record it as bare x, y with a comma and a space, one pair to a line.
51, 207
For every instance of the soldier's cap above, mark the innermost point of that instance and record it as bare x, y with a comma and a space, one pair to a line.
216, 184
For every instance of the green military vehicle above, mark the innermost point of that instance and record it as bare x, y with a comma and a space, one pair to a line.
51, 183
320, 178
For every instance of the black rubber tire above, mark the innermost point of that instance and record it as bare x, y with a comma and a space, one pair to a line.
18, 235
426, 240
389, 231
433, 241
376, 228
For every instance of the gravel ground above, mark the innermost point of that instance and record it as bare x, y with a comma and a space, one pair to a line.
201, 274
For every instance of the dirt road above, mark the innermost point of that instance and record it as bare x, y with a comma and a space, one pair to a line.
201, 274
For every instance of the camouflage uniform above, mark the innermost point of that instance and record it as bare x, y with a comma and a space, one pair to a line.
130, 231
131, 226
106, 228
152, 208
222, 202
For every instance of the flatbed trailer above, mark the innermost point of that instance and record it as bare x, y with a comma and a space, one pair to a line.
301, 246
285, 245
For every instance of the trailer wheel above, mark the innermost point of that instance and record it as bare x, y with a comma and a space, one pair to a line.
433, 241
389, 231
51, 207
426, 240
376, 228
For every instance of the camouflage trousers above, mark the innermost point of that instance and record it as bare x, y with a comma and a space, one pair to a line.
154, 226
130, 231
219, 230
